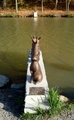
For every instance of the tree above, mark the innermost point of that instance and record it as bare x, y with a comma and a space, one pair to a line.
42, 5
4, 4
16, 5
67, 4
56, 4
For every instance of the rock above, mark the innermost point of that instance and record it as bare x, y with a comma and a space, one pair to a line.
17, 86
1, 105
3, 80
63, 98
10, 96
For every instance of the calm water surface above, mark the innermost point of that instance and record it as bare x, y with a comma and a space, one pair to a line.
57, 46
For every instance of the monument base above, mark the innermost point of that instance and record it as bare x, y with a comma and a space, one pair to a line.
36, 94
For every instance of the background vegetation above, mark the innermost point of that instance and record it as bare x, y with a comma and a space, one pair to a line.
49, 4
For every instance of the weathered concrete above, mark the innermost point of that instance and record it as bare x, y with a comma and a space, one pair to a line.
39, 100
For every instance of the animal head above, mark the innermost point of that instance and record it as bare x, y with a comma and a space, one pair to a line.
35, 39
35, 48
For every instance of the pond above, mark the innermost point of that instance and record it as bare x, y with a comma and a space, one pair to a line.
56, 44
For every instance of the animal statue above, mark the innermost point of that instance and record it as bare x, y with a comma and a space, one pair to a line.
36, 73
35, 47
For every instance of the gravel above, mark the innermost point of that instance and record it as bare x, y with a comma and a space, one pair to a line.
12, 106
65, 115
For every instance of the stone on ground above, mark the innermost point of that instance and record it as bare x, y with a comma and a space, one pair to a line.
3, 80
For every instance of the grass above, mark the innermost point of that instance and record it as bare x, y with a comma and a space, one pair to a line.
47, 15
68, 15
56, 106
54, 102
8, 15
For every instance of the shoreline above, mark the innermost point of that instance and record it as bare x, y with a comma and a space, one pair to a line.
30, 13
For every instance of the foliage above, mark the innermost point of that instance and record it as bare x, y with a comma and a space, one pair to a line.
21, 3
39, 115
26, 116
55, 106
27, 5
68, 15
11, 3
54, 102
31, 3
68, 106
9, 15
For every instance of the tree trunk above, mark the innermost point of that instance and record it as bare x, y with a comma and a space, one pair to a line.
56, 4
4, 4
16, 6
67, 5
42, 5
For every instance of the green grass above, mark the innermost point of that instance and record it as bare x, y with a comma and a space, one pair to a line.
55, 107
47, 15
8, 15
54, 102
68, 15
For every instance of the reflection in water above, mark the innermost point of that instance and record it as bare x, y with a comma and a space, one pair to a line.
57, 45
35, 20
9, 65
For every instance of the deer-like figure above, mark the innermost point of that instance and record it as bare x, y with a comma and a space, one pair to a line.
35, 52
36, 73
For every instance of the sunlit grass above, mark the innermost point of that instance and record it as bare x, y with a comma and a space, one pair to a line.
55, 107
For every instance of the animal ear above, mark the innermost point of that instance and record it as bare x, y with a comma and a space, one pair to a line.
39, 38
31, 37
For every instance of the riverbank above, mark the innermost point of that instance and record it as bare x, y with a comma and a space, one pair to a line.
29, 13
12, 106
11, 109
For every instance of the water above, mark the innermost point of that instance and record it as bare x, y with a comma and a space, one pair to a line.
57, 46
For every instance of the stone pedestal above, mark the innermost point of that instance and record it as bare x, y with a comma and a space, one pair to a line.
36, 93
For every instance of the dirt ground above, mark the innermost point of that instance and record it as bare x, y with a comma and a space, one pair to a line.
25, 12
